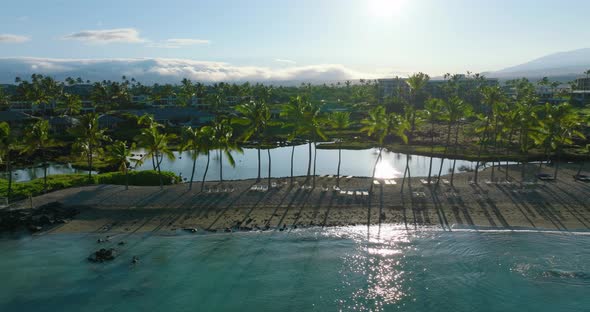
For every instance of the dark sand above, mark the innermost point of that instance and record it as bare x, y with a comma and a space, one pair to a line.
562, 205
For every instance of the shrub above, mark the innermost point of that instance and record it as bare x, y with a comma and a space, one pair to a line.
22, 190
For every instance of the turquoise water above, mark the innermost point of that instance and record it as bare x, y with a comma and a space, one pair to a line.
353, 268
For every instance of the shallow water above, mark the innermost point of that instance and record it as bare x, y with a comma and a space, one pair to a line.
352, 268
354, 162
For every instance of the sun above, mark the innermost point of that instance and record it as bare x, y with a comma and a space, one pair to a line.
385, 8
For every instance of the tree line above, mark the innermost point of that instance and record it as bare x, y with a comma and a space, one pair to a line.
511, 123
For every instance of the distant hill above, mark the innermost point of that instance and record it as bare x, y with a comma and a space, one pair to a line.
562, 65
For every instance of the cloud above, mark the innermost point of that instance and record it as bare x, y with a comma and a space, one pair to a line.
178, 43
164, 70
284, 61
9, 38
124, 35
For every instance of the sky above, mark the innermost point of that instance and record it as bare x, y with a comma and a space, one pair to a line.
282, 38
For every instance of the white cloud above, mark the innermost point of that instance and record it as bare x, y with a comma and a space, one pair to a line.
124, 35
284, 61
161, 70
178, 43
9, 38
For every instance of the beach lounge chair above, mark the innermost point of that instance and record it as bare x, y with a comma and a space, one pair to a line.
582, 177
350, 193
365, 193
445, 181
274, 185
254, 188
264, 188
545, 177
329, 176
349, 177
335, 188
358, 193
419, 194
376, 182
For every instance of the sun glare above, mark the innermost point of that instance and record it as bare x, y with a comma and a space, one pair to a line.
385, 8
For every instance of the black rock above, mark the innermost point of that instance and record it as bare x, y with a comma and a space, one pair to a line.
103, 255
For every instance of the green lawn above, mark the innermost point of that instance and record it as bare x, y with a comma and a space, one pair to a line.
57, 182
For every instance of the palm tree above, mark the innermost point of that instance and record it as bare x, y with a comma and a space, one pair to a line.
6, 141
376, 125
187, 92
71, 103
452, 110
432, 113
191, 141
207, 141
117, 155
492, 96
256, 117
340, 121
89, 139
558, 128
222, 135
293, 113
586, 150
37, 139
155, 143
417, 83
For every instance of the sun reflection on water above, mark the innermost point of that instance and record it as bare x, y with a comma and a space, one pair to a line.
385, 170
379, 261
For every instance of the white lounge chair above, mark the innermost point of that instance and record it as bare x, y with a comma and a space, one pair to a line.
376, 182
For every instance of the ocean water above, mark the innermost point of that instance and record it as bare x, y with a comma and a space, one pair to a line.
383, 268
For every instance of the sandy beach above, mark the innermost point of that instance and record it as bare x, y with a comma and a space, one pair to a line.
556, 205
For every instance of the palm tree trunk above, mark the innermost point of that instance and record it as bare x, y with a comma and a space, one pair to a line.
339, 162
44, 171
9, 172
90, 164
495, 148
455, 153
160, 174
259, 165
481, 144
126, 177
558, 152
220, 166
190, 186
431, 152
315, 154
153, 162
375, 170
269, 167
508, 151
406, 171
309, 164
292, 159
206, 169
442, 161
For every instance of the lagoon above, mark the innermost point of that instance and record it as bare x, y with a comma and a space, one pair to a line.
357, 163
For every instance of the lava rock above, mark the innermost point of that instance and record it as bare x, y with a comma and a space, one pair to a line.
103, 255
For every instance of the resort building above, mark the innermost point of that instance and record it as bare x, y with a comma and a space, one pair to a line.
391, 87
176, 116
29, 107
